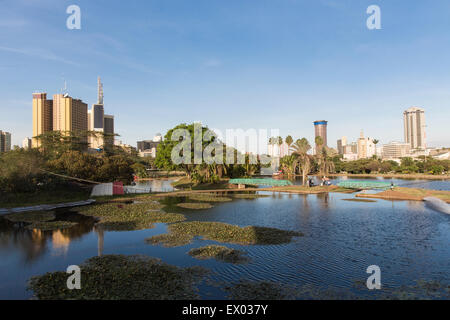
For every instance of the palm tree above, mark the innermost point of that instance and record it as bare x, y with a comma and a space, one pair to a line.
300, 149
375, 142
289, 140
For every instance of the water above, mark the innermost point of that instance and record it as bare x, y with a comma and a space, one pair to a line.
156, 185
408, 240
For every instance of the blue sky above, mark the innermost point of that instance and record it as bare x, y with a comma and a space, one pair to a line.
232, 64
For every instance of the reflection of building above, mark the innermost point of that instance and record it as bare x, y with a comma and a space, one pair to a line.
414, 127
396, 150
320, 128
42, 115
148, 148
5, 141
60, 241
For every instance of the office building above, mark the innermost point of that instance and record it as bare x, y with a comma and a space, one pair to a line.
341, 144
320, 129
396, 150
42, 116
69, 114
27, 143
108, 128
148, 148
5, 141
366, 147
414, 127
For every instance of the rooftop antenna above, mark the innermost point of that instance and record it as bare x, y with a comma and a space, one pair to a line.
64, 90
100, 91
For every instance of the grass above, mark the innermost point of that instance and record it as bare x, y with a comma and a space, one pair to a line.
51, 225
123, 217
10, 200
402, 193
183, 233
120, 277
194, 205
220, 253
31, 216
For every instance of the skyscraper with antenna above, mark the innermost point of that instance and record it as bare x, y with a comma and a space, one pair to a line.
99, 91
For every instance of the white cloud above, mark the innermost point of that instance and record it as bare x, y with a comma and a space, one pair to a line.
38, 53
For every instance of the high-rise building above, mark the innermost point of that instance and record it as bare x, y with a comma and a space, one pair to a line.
109, 129
320, 128
42, 116
69, 114
366, 147
396, 150
5, 141
96, 124
414, 127
26, 143
341, 143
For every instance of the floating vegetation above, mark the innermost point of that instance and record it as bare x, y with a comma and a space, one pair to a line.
208, 197
134, 216
183, 233
194, 205
249, 195
114, 277
259, 290
359, 200
51, 225
220, 253
30, 216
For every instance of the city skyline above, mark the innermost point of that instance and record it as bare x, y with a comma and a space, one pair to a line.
284, 66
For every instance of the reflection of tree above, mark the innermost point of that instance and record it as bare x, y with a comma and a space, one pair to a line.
324, 199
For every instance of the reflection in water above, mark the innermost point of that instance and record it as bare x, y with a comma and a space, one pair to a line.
324, 200
100, 241
32, 244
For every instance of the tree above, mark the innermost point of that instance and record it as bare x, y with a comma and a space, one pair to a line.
300, 149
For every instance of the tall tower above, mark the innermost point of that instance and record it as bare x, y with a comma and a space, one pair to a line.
42, 116
320, 128
99, 91
414, 127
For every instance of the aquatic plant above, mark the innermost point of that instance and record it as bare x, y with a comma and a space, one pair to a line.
194, 205
208, 197
30, 216
220, 253
51, 225
113, 277
183, 233
134, 216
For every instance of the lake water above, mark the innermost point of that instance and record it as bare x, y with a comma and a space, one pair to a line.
406, 239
